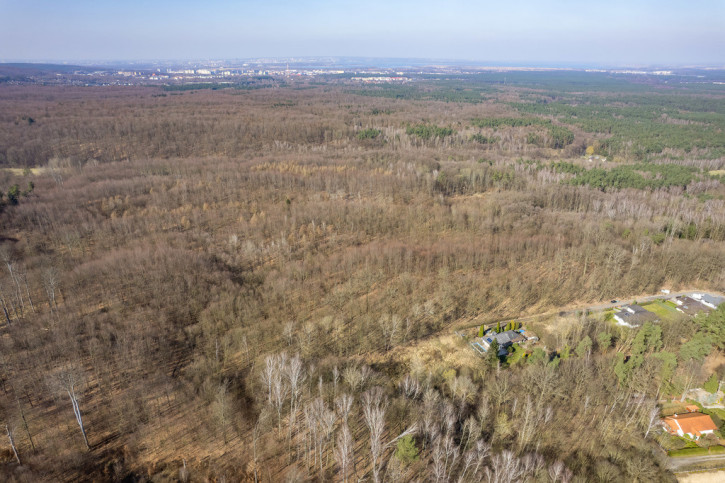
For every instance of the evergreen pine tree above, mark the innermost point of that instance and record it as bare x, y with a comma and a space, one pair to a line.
492, 354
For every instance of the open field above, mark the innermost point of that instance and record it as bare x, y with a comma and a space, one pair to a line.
663, 310
702, 477
24, 171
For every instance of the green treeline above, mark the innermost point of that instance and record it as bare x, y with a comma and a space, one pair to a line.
560, 136
649, 348
216, 86
471, 96
639, 176
497, 122
642, 125
481, 139
429, 131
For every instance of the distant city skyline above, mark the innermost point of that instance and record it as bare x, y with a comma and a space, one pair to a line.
635, 32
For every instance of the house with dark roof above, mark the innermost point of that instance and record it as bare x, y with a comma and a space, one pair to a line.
712, 301
504, 339
634, 316
692, 425
690, 306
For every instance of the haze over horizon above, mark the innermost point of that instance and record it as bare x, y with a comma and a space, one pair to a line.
520, 31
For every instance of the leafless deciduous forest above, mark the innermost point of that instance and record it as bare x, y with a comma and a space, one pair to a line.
235, 285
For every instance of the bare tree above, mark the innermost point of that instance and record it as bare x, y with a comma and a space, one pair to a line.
328, 424
690, 372
310, 423
481, 451
295, 375
389, 326
25, 421
280, 389
430, 420
183, 472
268, 374
505, 468
449, 417
344, 405
222, 409
344, 451
352, 376
257, 431
335, 380
10, 264
316, 423
365, 375
471, 431
529, 420
445, 457
24, 275
652, 418
483, 410
356, 378
533, 463
11, 432
289, 332
559, 472
468, 459
50, 284
69, 380
4, 305
410, 386
438, 459
374, 406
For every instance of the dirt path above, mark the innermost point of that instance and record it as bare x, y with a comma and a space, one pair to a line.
683, 463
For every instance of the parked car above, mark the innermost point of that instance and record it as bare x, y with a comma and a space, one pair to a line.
614, 301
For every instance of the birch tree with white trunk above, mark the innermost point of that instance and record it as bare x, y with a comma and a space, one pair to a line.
70, 381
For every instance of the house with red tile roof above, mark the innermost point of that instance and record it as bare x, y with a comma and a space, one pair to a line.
692, 425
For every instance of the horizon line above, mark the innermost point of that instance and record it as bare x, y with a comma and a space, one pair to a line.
419, 61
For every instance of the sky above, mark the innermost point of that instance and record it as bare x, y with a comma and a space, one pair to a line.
614, 32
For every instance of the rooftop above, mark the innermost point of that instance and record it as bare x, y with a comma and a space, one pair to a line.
690, 306
706, 298
505, 338
690, 423
634, 316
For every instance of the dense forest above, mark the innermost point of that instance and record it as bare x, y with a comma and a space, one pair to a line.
263, 284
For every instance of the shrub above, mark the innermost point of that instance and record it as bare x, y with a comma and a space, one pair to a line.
711, 384
428, 131
481, 139
406, 450
370, 133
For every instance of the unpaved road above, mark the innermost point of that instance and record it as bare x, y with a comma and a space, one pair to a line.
640, 300
591, 308
684, 463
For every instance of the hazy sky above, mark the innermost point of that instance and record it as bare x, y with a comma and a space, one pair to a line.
614, 31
